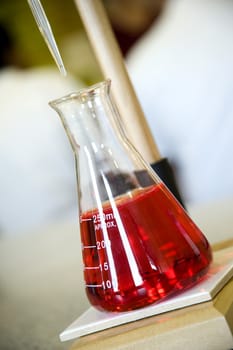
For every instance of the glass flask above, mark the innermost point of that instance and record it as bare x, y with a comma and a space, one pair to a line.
138, 243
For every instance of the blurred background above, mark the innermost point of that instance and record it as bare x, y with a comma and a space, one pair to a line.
30, 47
130, 19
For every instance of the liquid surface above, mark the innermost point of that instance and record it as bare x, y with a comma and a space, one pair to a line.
141, 249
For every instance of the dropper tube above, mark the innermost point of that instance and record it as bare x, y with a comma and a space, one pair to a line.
46, 31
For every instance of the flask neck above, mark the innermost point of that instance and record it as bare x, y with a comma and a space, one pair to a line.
88, 117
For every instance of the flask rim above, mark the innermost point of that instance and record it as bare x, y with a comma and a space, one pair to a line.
83, 94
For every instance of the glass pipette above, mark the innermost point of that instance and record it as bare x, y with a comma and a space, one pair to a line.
46, 31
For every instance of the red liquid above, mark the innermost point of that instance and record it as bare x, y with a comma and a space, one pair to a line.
143, 250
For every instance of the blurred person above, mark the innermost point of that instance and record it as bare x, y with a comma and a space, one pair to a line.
37, 176
130, 19
182, 72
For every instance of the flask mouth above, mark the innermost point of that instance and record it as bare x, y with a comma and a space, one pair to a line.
83, 94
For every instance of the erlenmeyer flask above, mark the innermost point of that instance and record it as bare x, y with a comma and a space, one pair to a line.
138, 243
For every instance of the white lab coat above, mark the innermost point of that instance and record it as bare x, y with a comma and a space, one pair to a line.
183, 74
37, 174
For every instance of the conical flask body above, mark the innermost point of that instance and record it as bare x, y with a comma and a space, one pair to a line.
139, 245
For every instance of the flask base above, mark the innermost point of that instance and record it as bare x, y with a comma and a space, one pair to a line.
152, 291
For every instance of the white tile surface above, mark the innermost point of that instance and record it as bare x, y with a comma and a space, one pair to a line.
93, 320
